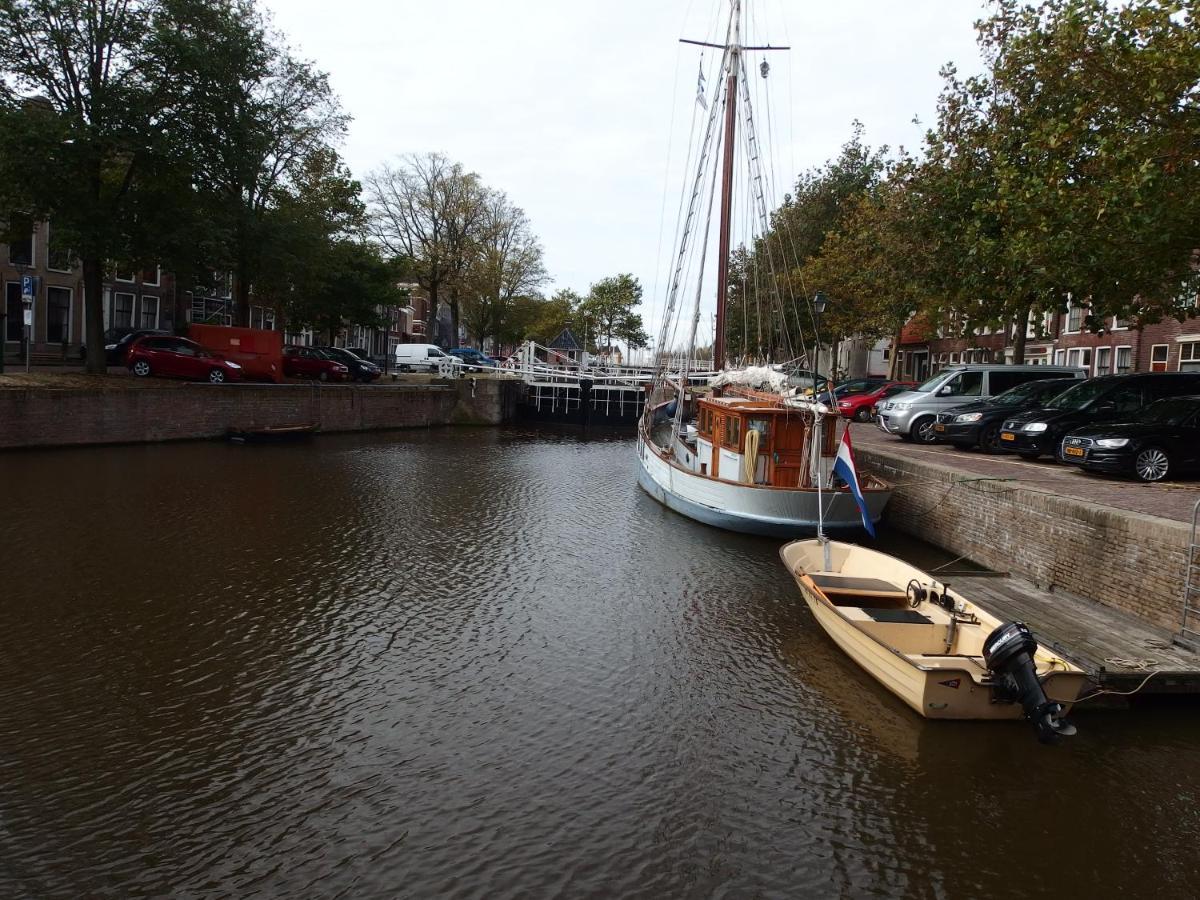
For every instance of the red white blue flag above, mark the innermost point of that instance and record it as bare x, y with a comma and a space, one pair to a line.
844, 468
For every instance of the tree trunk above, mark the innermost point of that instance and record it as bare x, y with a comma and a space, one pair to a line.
894, 358
1022, 327
431, 317
242, 295
93, 292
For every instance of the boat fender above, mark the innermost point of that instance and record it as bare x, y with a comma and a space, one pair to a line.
1008, 653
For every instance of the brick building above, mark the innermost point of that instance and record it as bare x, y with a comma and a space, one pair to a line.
149, 298
1064, 338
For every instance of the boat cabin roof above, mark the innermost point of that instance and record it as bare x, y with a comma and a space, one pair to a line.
743, 404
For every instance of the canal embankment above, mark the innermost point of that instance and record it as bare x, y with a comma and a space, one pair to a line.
1120, 544
115, 412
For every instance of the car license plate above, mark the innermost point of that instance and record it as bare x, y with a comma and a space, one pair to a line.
1007, 436
939, 427
1074, 451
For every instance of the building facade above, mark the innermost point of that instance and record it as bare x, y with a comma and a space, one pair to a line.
1064, 338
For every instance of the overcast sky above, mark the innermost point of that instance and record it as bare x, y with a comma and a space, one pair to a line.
567, 105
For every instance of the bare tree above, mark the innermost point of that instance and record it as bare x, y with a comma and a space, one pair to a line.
506, 264
429, 211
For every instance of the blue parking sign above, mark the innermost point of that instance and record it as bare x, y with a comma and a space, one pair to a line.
26, 285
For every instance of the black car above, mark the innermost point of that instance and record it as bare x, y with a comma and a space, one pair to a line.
360, 369
1110, 398
117, 342
978, 424
1161, 441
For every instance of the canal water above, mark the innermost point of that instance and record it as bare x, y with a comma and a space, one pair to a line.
482, 663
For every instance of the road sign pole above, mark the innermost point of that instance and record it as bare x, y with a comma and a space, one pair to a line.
27, 289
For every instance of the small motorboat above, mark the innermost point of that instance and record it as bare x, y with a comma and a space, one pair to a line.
271, 434
941, 654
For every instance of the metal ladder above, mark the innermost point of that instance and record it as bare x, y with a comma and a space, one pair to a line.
1189, 633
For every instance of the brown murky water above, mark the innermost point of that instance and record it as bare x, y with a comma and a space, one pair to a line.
482, 663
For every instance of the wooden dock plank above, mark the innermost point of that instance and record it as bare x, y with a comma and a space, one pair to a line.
1115, 648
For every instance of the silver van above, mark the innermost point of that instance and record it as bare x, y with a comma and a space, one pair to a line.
911, 414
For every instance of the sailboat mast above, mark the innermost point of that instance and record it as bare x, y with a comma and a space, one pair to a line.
734, 59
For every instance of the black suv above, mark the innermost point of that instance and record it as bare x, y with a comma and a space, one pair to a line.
978, 424
1110, 398
1158, 442
360, 369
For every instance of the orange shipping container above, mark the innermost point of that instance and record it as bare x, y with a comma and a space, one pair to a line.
259, 352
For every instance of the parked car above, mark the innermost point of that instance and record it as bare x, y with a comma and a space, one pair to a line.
473, 359
422, 358
978, 424
117, 342
180, 358
912, 415
890, 391
309, 362
358, 368
1109, 398
1160, 441
858, 404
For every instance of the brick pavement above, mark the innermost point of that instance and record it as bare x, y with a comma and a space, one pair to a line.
1171, 500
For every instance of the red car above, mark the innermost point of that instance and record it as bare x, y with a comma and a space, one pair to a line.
859, 406
309, 362
181, 358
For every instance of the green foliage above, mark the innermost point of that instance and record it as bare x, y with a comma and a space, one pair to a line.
610, 307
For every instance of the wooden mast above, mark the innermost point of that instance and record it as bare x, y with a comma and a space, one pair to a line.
735, 52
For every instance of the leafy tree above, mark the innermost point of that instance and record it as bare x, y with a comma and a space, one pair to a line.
92, 94
1071, 167
610, 304
505, 263
354, 285
549, 317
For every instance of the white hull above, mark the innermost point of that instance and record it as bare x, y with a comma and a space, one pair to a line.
753, 509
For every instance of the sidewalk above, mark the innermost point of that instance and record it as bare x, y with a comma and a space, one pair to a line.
1170, 500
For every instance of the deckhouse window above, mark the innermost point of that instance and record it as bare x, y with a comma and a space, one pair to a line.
733, 431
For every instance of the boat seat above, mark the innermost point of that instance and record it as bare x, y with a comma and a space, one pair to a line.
832, 582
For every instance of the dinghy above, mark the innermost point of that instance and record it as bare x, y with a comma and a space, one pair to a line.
944, 656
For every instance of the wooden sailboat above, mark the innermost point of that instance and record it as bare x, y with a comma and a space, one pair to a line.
941, 654
733, 457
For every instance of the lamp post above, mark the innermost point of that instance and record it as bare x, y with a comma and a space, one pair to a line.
819, 303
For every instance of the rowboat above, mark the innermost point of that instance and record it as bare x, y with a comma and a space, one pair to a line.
943, 655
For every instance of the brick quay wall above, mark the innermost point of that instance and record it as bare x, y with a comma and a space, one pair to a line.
1127, 560
41, 417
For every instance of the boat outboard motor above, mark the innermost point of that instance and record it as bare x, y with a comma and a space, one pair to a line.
1008, 653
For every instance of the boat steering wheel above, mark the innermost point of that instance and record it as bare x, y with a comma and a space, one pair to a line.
916, 593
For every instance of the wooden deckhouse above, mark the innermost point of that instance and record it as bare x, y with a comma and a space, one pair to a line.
780, 444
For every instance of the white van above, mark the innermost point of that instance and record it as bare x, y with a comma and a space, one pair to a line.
911, 415
424, 358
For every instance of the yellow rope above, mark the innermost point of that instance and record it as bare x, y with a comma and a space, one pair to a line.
750, 460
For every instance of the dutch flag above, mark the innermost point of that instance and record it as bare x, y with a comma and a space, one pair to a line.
844, 468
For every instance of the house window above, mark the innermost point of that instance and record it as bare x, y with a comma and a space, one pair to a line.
58, 259
1060, 357
149, 312
953, 359
1104, 360
124, 274
1158, 357
58, 315
122, 311
262, 317
1074, 317
151, 276
14, 321
887, 353
1080, 356
1189, 357
19, 237
1120, 324
1189, 293
1124, 360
